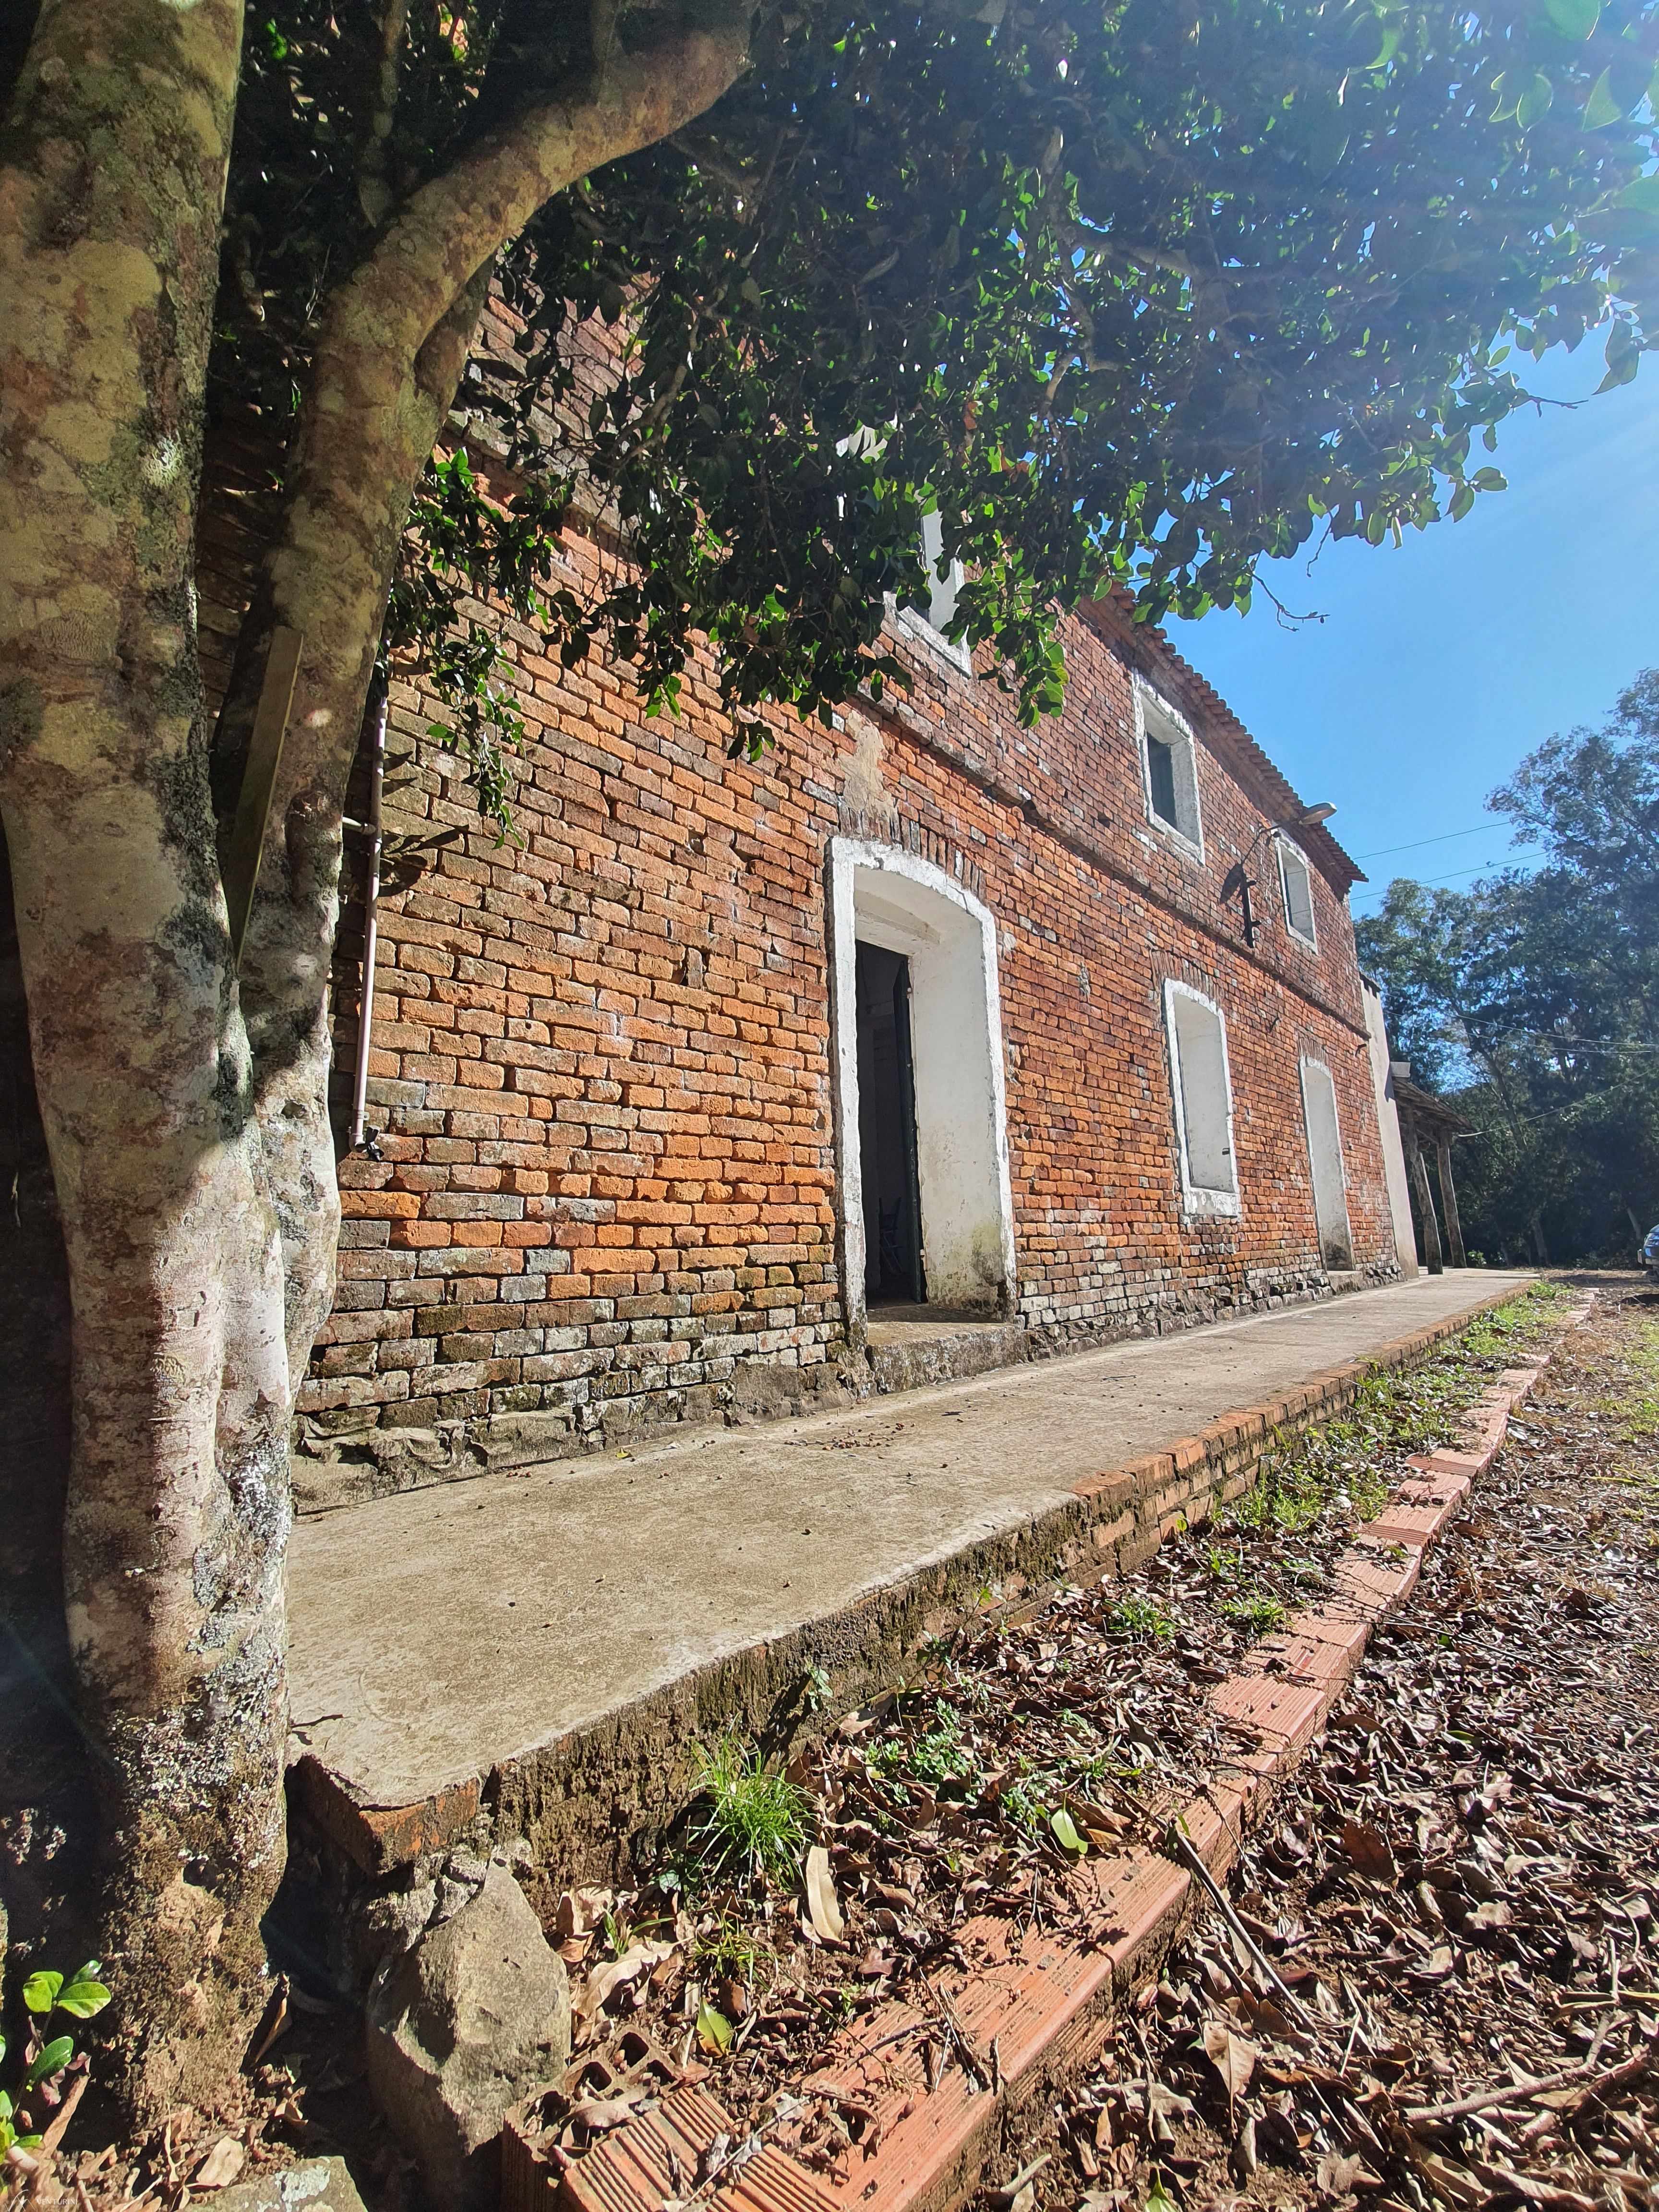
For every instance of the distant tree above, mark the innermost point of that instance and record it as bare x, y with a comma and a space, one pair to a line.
1533, 1000
1136, 291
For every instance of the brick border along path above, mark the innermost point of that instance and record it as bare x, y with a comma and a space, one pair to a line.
1032, 2013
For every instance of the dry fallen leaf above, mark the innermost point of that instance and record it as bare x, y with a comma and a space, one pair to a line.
603, 1984
1368, 1848
221, 2164
821, 1902
1340, 2177
580, 1911
1232, 2057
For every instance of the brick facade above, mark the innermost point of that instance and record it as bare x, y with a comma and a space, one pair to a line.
602, 1058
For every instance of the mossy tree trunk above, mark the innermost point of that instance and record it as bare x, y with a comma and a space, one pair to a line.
111, 192
185, 1108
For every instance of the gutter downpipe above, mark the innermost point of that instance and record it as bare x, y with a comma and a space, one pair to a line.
371, 923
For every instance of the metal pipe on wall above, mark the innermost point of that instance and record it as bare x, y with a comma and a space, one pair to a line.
371, 922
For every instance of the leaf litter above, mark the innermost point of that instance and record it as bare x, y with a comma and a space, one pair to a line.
1442, 1989
1455, 1899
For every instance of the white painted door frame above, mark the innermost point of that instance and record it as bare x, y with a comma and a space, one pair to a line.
892, 898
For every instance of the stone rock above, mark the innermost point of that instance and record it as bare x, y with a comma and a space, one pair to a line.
461, 2025
315, 2185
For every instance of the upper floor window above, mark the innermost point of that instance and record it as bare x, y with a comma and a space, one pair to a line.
932, 620
1169, 767
1203, 1101
1295, 883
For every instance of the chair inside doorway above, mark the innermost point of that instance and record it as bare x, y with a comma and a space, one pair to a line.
887, 1131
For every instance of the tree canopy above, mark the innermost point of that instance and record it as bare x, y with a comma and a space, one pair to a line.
1132, 294
1126, 293
1532, 998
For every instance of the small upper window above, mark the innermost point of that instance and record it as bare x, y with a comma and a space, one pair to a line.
1203, 1101
1169, 766
935, 616
1296, 881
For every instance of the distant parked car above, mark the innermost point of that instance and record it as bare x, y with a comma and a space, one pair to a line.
1648, 1255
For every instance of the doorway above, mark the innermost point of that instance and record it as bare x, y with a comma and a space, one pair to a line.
887, 1128
923, 1184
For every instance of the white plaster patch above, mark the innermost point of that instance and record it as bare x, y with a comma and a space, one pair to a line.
1330, 1182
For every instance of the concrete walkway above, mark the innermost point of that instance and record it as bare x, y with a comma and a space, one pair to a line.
441, 1634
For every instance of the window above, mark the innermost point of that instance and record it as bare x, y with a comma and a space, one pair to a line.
932, 620
1203, 1101
1296, 882
1325, 1157
1170, 767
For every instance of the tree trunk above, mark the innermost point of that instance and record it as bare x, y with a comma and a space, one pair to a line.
110, 194
394, 342
187, 1113
1448, 1203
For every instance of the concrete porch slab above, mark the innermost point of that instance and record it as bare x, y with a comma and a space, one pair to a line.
550, 1639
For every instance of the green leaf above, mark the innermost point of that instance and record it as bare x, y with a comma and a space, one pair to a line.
1535, 101
82, 1999
1642, 193
52, 2060
1601, 108
713, 2029
1636, 229
1574, 18
1158, 2199
1066, 1834
40, 1992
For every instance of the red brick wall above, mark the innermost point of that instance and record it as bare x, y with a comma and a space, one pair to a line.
601, 1058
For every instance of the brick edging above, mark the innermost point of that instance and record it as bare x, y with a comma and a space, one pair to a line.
1033, 2013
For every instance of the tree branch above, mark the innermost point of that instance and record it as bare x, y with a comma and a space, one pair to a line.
452, 225
373, 193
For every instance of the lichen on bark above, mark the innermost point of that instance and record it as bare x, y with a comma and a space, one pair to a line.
184, 1106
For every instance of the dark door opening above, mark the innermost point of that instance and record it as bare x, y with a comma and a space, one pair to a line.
887, 1129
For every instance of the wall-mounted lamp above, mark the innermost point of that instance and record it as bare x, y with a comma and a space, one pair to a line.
1239, 878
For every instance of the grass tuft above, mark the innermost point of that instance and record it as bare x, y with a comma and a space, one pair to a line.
755, 1822
1259, 1611
1140, 1615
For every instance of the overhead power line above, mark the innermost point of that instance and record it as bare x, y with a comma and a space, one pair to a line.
1445, 838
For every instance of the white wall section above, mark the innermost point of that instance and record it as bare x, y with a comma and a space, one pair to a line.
1203, 1093
1387, 1123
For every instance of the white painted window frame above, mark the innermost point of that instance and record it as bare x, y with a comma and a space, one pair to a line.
956, 651
1313, 1059
1173, 725
1288, 852
1197, 1200
848, 857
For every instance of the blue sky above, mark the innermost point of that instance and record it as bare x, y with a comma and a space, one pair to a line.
1441, 663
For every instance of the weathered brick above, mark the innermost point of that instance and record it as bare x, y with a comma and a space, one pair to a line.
606, 1057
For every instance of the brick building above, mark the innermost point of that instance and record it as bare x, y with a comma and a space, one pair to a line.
928, 1042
